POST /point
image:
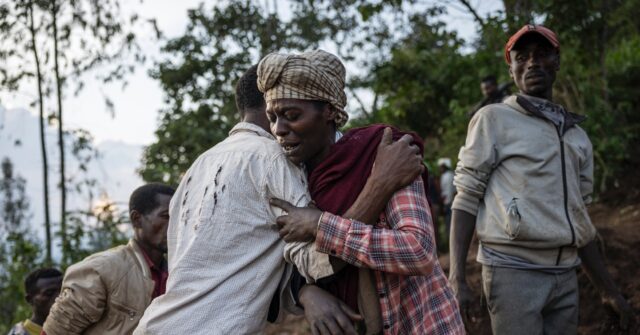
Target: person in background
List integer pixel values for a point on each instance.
(41, 286)
(492, 93)
(435, 202)
(447, 191)
(108, 292)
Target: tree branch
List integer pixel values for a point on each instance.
(473, 12)
(362, 107)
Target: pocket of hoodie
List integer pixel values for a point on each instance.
(514, 219)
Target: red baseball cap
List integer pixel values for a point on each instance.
(527, 29)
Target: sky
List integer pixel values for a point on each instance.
(121, 137)
(136, 107)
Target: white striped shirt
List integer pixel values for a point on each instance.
(225, 254)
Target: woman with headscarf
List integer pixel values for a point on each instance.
(392, 277)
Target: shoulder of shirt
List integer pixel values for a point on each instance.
(497, 115)
(491, 109)
(111, 259)
(243, 144)
(582, 131)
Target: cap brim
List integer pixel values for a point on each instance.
(526, 33)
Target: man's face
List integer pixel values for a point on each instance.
(46, 292)
(303, 130)
(151, 228)
(534, 63)
(488, 88)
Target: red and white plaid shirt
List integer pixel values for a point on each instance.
(415, 296)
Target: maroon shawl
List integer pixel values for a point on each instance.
(338, 180)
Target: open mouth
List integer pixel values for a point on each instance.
(290, 148)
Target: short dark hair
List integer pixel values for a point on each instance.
(489, 79)
(248, 95)
(143, 199)
(32, 278)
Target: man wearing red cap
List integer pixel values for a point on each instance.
(524, 178)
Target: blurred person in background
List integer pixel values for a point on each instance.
(41, 286)
(492, 93)
(108, 292)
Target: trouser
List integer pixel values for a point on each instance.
(531, 302)
(447, 219)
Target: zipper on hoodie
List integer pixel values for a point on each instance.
(566, 197)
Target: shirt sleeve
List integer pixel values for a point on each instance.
(288, 182)
(476, 160)
(586, 175)
(405, 245)
(81, 302)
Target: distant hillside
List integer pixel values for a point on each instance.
(20, 141)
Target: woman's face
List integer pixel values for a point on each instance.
(305, 129)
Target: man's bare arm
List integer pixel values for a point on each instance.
(593, 265)
(463, 225)
(397, 165)
(371, 201)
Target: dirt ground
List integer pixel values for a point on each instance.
(618, 224)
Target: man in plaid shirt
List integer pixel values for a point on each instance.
(305, 101)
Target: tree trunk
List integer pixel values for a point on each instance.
(63, 183)
(473, 12)
(45, 166)
(518, 13)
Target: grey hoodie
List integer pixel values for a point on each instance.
(527, 182)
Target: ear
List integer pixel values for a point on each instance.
(558, 61)
(510, 72)
(329, 112)
(28, 298)
(136, 218)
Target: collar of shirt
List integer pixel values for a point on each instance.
(250, 127)
(159, 274)
(554, 112)
(31, 327)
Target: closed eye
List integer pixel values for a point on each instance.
(292, 115)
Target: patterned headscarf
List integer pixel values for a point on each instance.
(313, 75)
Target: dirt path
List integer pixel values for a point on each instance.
(619, 227)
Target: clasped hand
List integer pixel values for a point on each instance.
(299, 224)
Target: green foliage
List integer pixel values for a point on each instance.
(416, 73)
(419, 81)
(64, 39)
(428, 88)
(199, 77)
(202, 66)
(97, 229)
(100, 228)
(600, 73)
(19, 251)
(91, 35)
